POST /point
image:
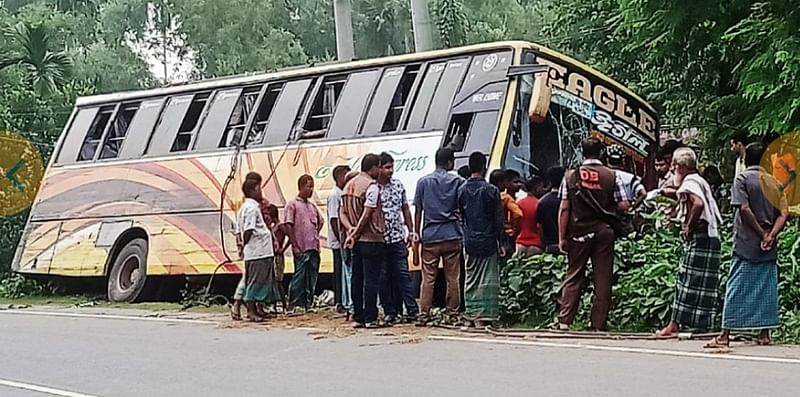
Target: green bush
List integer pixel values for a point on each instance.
(15, 286)
(644, 283)
(530, 289)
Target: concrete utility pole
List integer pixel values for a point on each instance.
(343, 15)
(421, 20)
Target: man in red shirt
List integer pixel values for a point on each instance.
(529, 241)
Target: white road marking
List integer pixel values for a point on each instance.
(41, 389)
(106, 316)
(674, 353)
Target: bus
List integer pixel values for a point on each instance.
(144, 185)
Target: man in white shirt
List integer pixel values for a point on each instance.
(738, 144)
(257, 250)
(633, 184)
(342, 268)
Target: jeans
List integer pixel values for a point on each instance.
(346, 279)
(337, 275)
(397, 289)
(304, 280)
(369, 262)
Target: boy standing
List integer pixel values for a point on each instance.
(303, 223)
(397, 290)
(342, 287)
(257, 249)
(482, 218)
(280, 244)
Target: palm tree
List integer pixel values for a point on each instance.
(46, 71)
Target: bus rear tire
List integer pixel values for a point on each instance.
(128, 276)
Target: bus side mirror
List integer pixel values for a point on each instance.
(540, 92)
(540, 99)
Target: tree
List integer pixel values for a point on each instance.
(768, 65)
(240, 36)
(149, 26)
(450, 20)
(384, 28)
(46, 70)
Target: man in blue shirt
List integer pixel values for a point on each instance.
(482, 220)
(436, 200)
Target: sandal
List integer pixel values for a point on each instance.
(764, 342)
(716, 344)
(256, 319)
(560, 327)
(236, 316)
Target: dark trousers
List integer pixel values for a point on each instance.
(397, 289)
(600, 249)
(337, 276)
(449, 253)
(304, 279)
(369, 261)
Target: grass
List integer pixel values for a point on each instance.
(100, 302)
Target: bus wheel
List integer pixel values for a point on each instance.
(129, 274)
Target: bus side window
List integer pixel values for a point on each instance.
(140, 129)
(115, 136)
(213, 129)
(190, 122)
(419, 109)
(73, 141)
(391, 99)
(472, 113)
(234, 131)
(323, 107)
(471, 132)
(167, 127)
(256, 134)
(95, 133)
(355, 95)
(439, 111)
(287, 108)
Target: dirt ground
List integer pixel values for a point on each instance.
(329, 324)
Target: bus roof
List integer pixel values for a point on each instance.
(303, 70)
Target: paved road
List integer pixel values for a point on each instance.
(112, 357)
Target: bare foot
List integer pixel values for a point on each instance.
(763, 338)
(669, 331)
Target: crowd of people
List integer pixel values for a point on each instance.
(466, 222)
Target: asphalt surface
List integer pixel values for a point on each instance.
(117, 357)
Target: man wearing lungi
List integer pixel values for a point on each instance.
(751, 296)
(697, 282)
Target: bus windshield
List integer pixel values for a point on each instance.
(578, 103)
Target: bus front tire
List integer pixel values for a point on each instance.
(126, 281)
